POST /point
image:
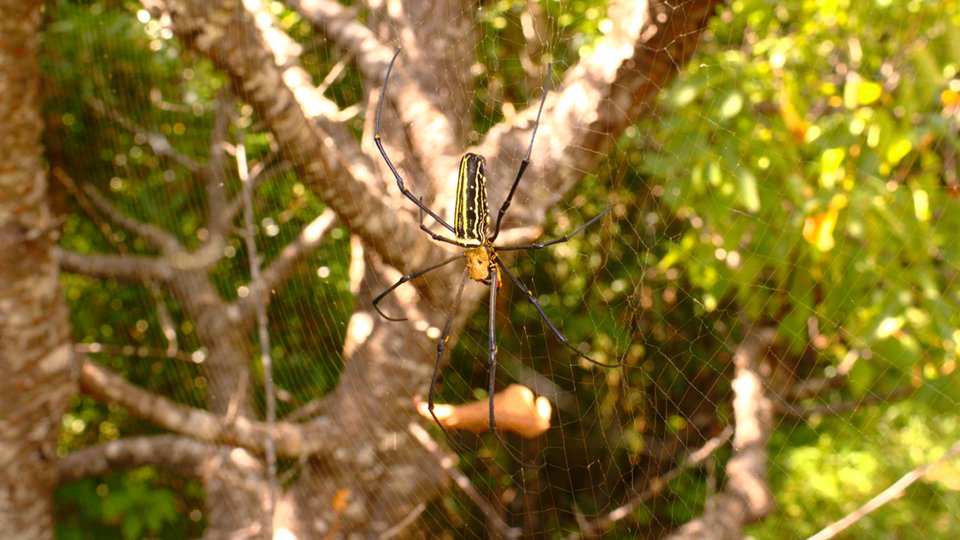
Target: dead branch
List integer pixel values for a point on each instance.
(258, 296)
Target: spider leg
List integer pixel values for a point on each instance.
(436, 236)
(405, 279)
(526, 159)
(492, 368)
(386, 158)
(444, 337)
(560, 240)
(532, 299)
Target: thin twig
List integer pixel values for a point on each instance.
(95, 203)
(262, 330)
(403, 523)
(158, 142)
(138, 351)
(884, 497)
(267, 169)
(312, 408)
(335, 72)
(657, 485)
(786, 408)
(167, 326)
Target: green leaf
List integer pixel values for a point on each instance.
(868, 92)
(898, 149)
(748, 195)
(731, 106)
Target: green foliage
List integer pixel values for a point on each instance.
(806, 161)
(791, 157)
(127, 506)
(843, 462)
(800, 173)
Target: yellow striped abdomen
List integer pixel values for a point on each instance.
(472, 215)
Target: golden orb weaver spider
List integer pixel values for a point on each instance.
(471, 232)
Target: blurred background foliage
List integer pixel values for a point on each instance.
(801, 173)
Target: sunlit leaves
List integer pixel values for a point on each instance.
(820, 148)
(818, 229)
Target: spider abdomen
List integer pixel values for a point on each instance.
(472, 215)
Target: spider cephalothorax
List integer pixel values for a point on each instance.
(478, 263)
(471, 231)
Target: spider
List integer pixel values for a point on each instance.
(471, 231)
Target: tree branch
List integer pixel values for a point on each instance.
(212, 174)
(599, 98)
(429, 128)
(292, 440)
(172, 453)
(260, 173)
(156, 236)
(131, 268)
(329, 159)
(746, 496)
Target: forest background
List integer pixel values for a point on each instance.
(190, 252)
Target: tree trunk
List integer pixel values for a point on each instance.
(35, 350)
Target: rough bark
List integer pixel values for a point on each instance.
(35, 352)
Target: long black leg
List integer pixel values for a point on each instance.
(438, 237)
(560, 240)
(386, 158)
(444, 337)
(492, 368)
(533, 300)
(526, 159)
(405, 279)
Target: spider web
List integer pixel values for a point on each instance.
(796, 182)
